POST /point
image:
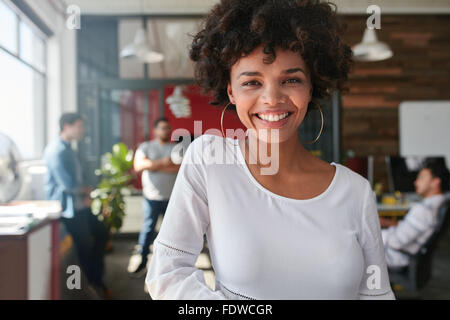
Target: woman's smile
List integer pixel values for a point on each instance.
(272, 119)
(271, 96)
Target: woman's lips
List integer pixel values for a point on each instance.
(273, 124)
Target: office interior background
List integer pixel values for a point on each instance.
(59, 56)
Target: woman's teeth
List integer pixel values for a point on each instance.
(271, 117)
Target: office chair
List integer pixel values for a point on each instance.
(414, 276)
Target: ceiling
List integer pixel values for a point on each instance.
(202, 6)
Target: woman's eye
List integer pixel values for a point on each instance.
(251, 83)
(293, 80)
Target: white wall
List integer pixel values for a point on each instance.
(424, 128)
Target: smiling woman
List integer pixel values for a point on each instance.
(236, 28)
(276, 96)
(308, 230)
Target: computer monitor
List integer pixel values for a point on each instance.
(402, 171)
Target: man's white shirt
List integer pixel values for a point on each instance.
(412, 231)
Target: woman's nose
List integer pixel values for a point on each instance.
(272, 95)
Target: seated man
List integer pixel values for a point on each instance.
(416, 227)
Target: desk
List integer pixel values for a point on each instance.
(394, 211)
(399, 209)
(29, 250)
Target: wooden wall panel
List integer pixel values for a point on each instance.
(419, 70)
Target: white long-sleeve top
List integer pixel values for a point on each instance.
(263, 245)
(412, 231)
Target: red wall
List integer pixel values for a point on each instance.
(133, 111)
(201, 110)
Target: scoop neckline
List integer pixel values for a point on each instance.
(280, 197)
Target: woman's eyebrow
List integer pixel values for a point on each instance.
(256, 73)
(294, 70)
(249, 74)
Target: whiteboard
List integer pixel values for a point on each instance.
(424, 128)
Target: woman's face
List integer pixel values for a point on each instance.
(270, 96)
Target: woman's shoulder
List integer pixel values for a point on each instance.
(356, 182)
(204, 142)
(206, 138)
(206, 146)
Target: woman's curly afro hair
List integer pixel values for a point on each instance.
(234, 28)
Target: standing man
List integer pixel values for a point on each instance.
(158, 177)
(418, 225)
(64, 183)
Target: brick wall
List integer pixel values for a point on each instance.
(419, 70)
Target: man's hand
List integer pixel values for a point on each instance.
(167, 161)
(87, 201)
(85, 194)
(143, 163)
(163, 164)
(86, 190)
(385, 223)
(173, 168)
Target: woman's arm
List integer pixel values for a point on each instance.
(375, 282)
(172, 273)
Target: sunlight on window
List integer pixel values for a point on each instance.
(22, 88)
(8, 31)
(31, 47)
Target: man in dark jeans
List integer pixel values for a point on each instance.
(63, 182)
(158, 177)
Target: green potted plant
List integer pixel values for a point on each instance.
(108, 198)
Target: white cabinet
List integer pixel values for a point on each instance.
(39, 263)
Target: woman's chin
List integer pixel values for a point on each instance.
(271, 135)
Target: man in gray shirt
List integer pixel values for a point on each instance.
(158, 177)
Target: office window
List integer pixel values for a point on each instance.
(8, 32)
(22, 83)
(32, 47)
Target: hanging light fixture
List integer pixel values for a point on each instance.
(179, 104)
(140, 49)
(370, 49)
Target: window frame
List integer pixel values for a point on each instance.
(21, 17)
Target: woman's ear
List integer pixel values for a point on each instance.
(230, 93)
